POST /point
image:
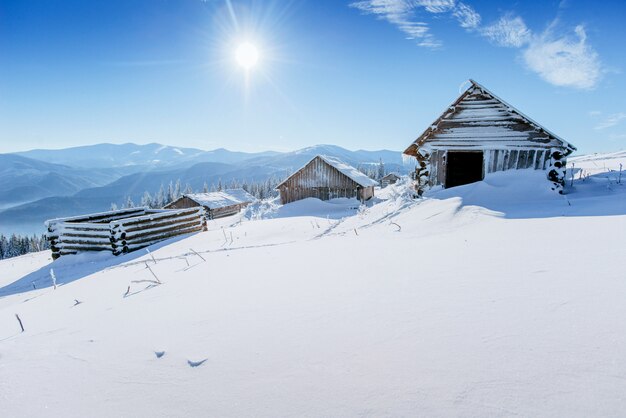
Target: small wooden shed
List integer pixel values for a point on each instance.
(216, 204)
(390, 178)
(480, 133)
(325, 178)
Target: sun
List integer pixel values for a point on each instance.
(247, 55)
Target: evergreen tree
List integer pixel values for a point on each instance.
(177, 190)
(169, 197)
(159, 201)
(381, 169)
(146, 200)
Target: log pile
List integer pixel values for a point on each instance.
(121, 231)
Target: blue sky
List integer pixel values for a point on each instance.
(360, 74)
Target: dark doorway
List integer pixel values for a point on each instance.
(463, 168)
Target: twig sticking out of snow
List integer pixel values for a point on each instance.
(54, 278)
(77, 302)
(155, 276)
(357, 234)
(393, 223)
(193, 251)
(127, 291)
(33, 283)
(153, 259)
(20, 321)
(145, 281)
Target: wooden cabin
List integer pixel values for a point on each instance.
(326, 178)
(390, 178)
(216, 204)
(480, 133)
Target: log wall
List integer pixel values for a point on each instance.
(121, 231)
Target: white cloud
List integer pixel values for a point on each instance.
(564, 61)
(611, 121)
(508, 31)
(561, 60)
(401, 14)
(468, 17)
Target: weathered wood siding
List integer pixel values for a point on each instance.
(479, 121)
(323, 181)
(493, 160)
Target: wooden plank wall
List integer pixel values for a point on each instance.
(320, 180)
(493, 160)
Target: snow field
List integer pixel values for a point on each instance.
(490, 301)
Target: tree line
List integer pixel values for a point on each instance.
(17, 245)
(174, 190)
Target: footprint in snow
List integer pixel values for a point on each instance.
(159, 354)
(196, 363)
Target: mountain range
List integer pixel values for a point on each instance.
(41, 184)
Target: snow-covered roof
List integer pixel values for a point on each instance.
(215, 200)
(393, 174)
(344, 168)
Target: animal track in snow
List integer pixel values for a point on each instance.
(196, 363)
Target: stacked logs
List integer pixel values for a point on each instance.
(121, 231)
(556, 171)
(422, 171)
(131, 234)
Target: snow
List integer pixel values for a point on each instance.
(349, 171)
(490, 299)
(215, 200)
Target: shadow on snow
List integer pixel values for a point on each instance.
(74, 267)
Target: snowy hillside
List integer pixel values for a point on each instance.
(491, 299)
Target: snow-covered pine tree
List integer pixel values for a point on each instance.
(146, 199)
(159, 201)
(381, 169)
(169, 197)
(177, 190)
(129, 203)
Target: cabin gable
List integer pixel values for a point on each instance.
(321, 180)
(480, 122)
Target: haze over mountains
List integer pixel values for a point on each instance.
(41, 184)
